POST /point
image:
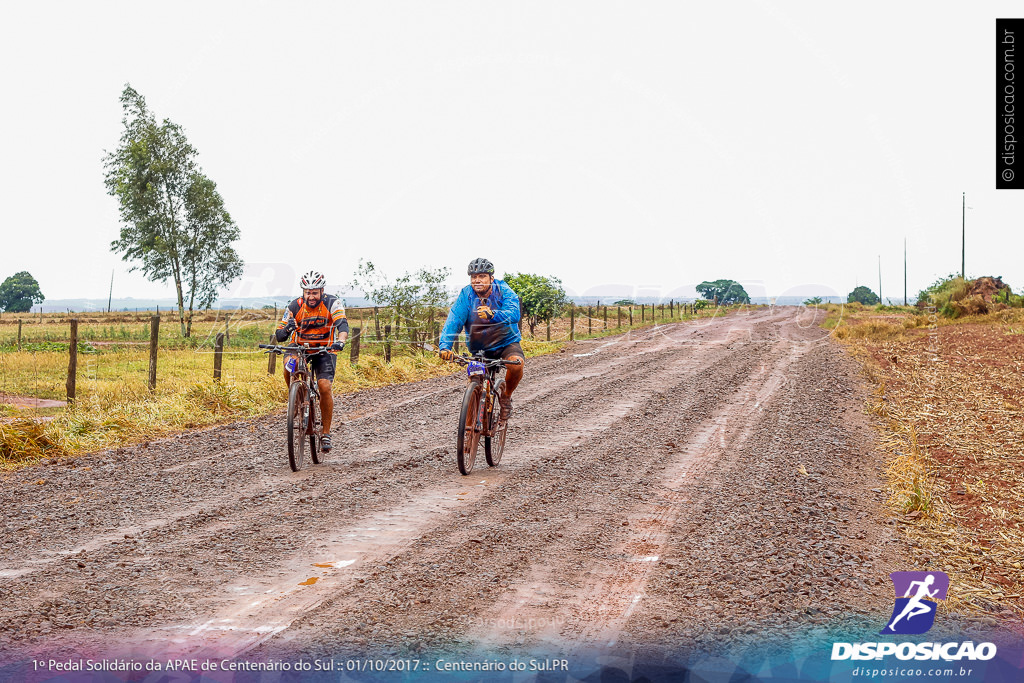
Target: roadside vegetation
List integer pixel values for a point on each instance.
(948, 394)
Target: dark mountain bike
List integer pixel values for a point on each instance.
(480, 416)
(303, 405)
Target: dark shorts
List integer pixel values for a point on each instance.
(506, 352)
(323, 366)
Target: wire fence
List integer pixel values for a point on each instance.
(110, 357)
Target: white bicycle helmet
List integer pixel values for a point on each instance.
(313, 280)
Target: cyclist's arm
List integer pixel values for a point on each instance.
(280, 334)
(509, 311)
(339, 330)
(456, 321)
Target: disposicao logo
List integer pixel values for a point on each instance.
(917, 595)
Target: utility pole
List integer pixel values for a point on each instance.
(879, 278)
(904, 271)
(111, 296)
(963, 237)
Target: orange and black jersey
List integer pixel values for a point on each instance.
(319, 325)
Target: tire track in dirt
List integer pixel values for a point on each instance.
(264, 610)
(598, 614)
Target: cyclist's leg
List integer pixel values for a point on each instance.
(325, 366)
(513, 373)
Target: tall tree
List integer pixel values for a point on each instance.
(19, 292)
(174, 224)
(540, 298)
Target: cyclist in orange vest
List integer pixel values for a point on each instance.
(316, 319)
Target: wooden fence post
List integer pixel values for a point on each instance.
(631, 316)
(642, 312)
(227, 329)
(72, 361)
(387, 343)
(590, 320)
(154, 341)
(272, 357)
(19, 334)
(218, 356)
(618, 313)
(606, 317)
(354, 345)
(376, 321)
(572, 322)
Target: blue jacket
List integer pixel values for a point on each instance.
(483, 335)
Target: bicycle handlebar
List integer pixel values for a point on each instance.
(279, 348)
(466, 360)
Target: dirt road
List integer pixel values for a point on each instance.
(684, 485)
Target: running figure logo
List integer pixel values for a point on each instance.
(917, 594)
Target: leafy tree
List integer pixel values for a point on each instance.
(19, 292)
(726, 291)
(863, 295)
(540, 298)
(813, 301)
(624, 302)
(406, 292)
(175, 225)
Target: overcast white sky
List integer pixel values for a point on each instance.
(650, 145)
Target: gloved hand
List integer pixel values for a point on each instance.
(337, 346)
(446, 354)
(290, 327)
(485, 312)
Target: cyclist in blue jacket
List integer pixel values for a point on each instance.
(487, 310)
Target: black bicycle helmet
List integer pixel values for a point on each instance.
(480, 265)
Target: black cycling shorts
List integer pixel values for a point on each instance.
(323, 366)
(506, 352)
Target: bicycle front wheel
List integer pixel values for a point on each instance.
(495, 445)
(298, 418)
(469, 436)
(314, 430)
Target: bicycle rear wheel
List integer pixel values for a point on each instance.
(495, 445)
(469, 437)
(298, 418)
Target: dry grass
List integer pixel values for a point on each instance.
(949, 397)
